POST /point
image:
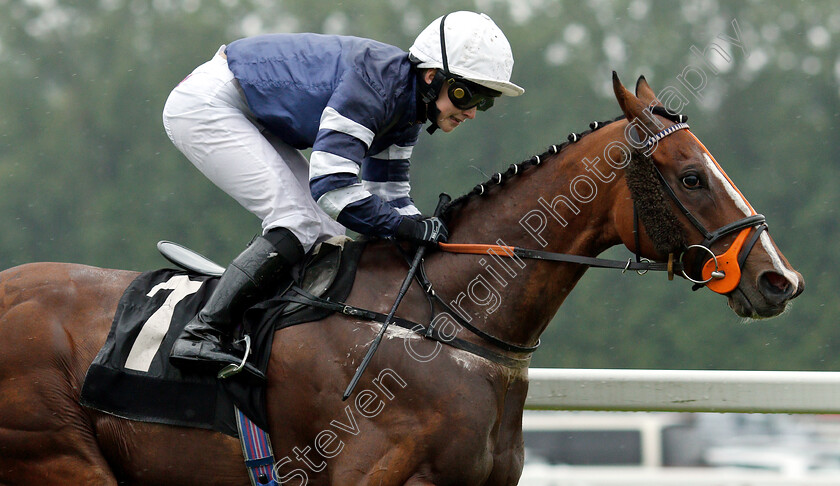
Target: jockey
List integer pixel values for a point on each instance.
(243, 117)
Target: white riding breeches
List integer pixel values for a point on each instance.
(208, 120)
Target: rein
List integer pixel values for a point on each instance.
(642, 265)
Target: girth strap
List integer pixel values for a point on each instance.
(297, 294)
(256, 449)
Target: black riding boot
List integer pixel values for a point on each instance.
(207, 338)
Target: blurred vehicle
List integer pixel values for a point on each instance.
(684, 449)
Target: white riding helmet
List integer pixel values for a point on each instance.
(476, 50)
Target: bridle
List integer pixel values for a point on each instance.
(720, 273)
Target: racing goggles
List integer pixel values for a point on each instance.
(467, 94)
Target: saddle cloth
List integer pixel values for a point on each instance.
(132, 378)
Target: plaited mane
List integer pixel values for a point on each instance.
(654, 209)
(499, 178)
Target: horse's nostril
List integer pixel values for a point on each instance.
(775, 285)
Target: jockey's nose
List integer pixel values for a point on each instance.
(470, 113)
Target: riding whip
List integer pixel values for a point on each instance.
(415, 264)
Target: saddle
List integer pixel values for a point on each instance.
(316, 275)
(131, 376)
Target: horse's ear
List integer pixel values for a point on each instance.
(645, 93)
(630, 105)
(636, 110)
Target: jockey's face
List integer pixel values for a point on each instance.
(450, 116)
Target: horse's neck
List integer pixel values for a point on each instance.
(515, 299)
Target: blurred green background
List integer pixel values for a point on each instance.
(87, 174)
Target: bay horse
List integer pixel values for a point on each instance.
(422, 414)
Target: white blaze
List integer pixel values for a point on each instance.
(741, 204)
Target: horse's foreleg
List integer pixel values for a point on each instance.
(56, 470)
(46, 440)
(36, 450)
(45, 435)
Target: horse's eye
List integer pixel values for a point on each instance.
(691, 181)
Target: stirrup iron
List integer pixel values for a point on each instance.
(233, 369)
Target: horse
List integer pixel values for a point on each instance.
(423, 413)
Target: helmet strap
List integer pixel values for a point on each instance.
(433, 115)
(428, 93)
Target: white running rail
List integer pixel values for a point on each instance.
(684, 390)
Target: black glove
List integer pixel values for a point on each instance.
(428, 231)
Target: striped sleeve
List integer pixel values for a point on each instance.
(386, 175)
(334, 168)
